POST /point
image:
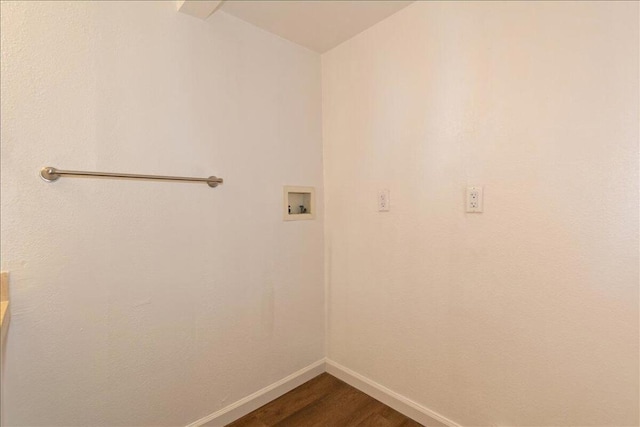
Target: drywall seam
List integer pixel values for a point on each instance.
(252, 402)
(389, 397)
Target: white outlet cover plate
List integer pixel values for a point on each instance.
(474, 200)
(383, 200)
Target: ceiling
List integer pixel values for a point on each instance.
(318, 25)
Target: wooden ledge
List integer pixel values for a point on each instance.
(4, 305)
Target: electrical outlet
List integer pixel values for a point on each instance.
(474, 199)
(383, 200)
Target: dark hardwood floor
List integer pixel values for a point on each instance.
(325, 401)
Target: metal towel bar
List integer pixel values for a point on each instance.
(51, 174)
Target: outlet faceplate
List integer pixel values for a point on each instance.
(383, 200)
(474, 199)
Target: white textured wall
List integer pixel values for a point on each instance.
(144, 303)
(526, 314)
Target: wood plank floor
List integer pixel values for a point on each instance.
(325, 401)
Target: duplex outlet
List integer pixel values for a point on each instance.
(474, 199)
(383, 200)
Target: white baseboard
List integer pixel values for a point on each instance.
(389, 397)
(252, 402)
